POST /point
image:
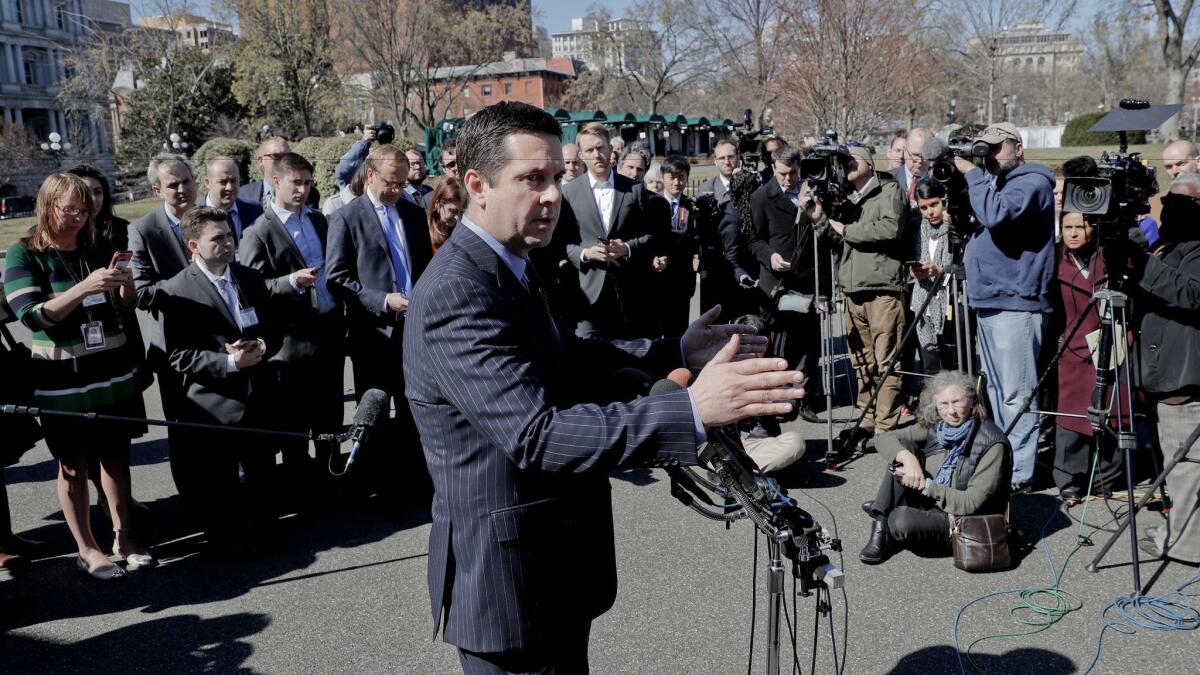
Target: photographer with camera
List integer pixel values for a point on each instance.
(783, 245)
(383, 132)
(1009, 263)
(871, 274)
(1169, 279)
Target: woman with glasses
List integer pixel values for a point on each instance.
(61, 285)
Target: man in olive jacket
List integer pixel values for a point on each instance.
(871, 274)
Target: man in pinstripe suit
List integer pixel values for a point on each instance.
(521, 553)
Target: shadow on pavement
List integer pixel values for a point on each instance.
(180, 644)
(942, 659)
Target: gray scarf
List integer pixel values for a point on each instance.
(929, 326)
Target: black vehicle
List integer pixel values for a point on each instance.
(16, 207)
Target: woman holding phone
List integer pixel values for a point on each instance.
(62, 284)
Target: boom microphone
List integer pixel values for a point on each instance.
(935, 150)
(373, 407)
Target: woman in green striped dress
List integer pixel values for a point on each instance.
(60, 285)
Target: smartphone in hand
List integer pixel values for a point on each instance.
(121, 260)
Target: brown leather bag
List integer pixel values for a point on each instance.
(980, 543)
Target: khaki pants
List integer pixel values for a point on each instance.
(876, 327)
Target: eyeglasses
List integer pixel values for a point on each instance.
(451, 164)
(71, 211)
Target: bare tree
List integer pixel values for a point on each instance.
(19, 155)
(984, 23)
(852, 63)
(660, 57)
(1172, 33)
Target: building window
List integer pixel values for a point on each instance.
(204, 33)
(466, 91)
(19, 5)
(29, 72)
(507, 88)
(60, 17)
(485, 90)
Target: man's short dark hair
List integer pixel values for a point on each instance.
(930, 189)
(290, 162)
(676, 164)
(481, 141)
(192, 225)
(788, 155)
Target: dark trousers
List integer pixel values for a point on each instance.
(564, 654)
(315, 385)
(1073, 462)
(797, 339)
(394, 450)
(913, 520)
(205, 467)
(607, 317)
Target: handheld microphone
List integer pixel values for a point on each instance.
(371, 409)
(676, 380)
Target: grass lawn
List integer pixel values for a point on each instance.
(13, 230)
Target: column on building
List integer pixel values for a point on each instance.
(8, 116)
(8, 73)
(48, 11)
(19, 116)
(5, 11)
(19, 62)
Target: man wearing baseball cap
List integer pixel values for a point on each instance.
(871, 273)
(1009, 264)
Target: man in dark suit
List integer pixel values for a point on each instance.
(378, 248)
(518, 449)
(675, 268)
(612, 228)
(783, 245)
(718, 283)
(259, 191)
(219, 333)
(287, 245)
(221, 181)
(417, 191)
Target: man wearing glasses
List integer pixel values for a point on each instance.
(259, 191)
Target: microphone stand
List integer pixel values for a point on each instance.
(33, 411)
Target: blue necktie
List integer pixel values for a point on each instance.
(396, 251)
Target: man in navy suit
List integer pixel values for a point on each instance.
(221, 181)
(517, 444)
(612, 228)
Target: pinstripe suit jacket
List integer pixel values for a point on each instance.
(522, 537)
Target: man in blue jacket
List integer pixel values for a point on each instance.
(1009, 263)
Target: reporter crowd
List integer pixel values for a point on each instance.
(243, 306)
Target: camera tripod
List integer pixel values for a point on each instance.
(959, 312)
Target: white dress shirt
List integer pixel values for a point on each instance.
(605, 193)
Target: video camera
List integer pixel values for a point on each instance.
(1118, 191)
(384, 132)
(824, 169)
(749, 142)
(943, 170)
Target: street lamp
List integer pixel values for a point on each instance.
(177, 143)
(1195, 106)
(1004, 108)
(55, 145)
(951, 115)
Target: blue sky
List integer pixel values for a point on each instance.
(556, 15)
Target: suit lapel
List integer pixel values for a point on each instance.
(172, 241)
(536, 324)
(587, 211)
(210, 291)
(622, 193)
(372, 227)
(285, 237)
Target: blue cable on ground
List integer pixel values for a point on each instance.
(1168, 612)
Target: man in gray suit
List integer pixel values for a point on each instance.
(287, 244)
(518, 445)
(612, 228)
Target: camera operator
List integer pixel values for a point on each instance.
(1009, 264)
(871, 274)
(1170, 373)
(1181, 157)
(357, 154)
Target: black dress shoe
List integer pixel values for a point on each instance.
(858, 441)
(878, 548)
(806, 413)
(868, 507)
(1070, 493)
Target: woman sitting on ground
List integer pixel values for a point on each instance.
(915, 510)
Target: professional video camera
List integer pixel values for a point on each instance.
(749, 142)
(1119, 190)
(384, 132)
(943, 170)
(958, 202)
(824, 169)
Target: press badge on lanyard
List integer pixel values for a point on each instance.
(93, 335)
(247, 318)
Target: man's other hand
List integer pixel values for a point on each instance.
(728, 390)
(703, 340)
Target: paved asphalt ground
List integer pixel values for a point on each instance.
(347, 591)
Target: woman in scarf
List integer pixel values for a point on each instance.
(935, 334)
(915, 509)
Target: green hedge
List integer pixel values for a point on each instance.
(1077, 134)
(241, 151)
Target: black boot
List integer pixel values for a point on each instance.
(879, 547)
(806, 413)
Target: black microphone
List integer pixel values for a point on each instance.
(371, 409)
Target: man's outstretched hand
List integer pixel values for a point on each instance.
(703, 340)
(729, 389)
